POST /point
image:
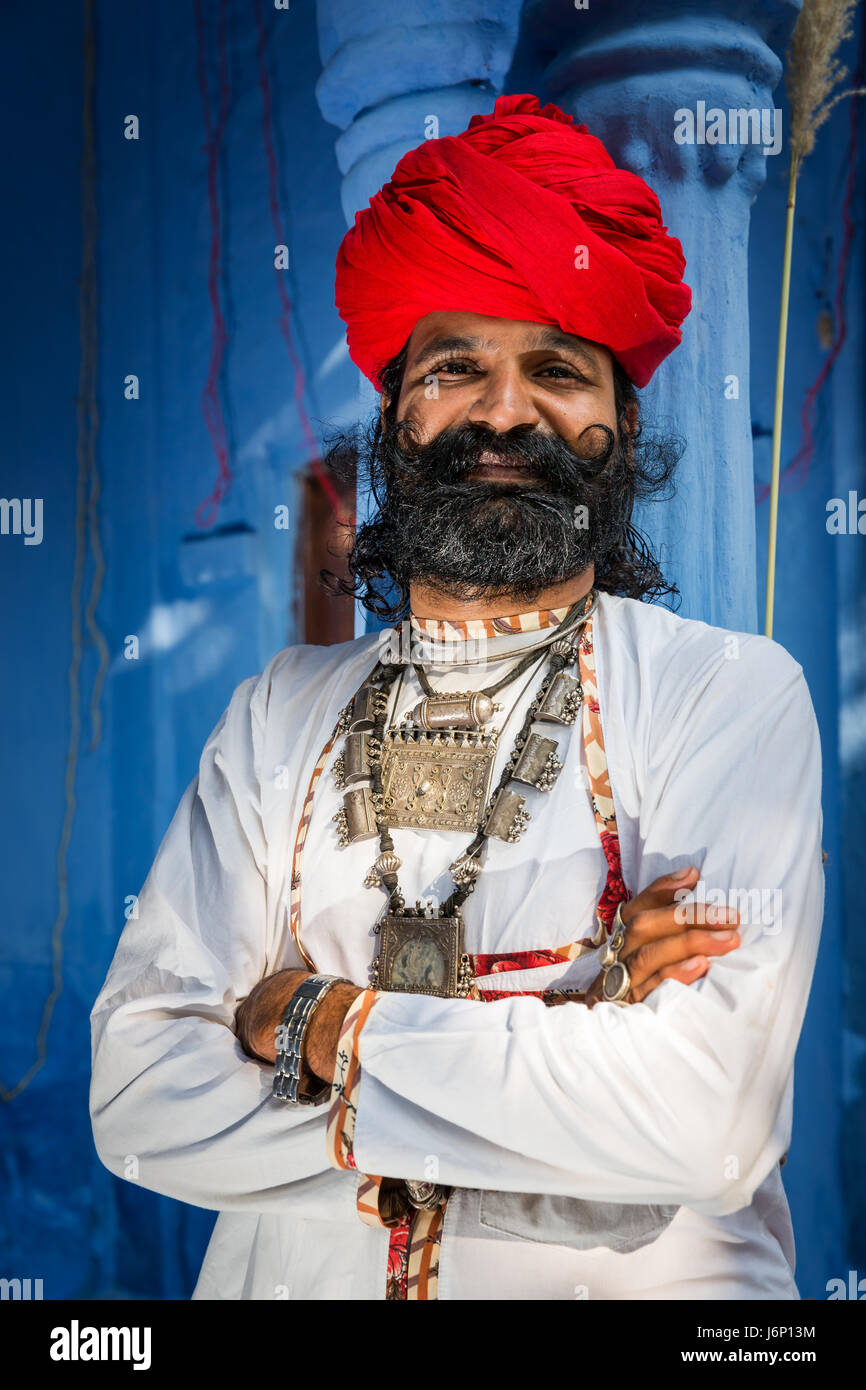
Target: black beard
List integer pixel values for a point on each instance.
(486, 539)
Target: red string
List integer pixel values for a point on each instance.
(211, 404)
(285, 319)
(796, 474)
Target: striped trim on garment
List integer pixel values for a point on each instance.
(342, 1112)
(413, 1258)
(604, 813)
(379, 1202)
(422, 1273)
(301, 836)
(472, 629)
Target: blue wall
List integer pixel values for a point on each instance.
(208, 610)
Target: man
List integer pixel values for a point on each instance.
(539, 790)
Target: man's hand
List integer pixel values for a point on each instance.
(261, 1013)
(658, 947)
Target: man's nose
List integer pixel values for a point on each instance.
(503, 402)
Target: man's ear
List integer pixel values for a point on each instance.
(383, 406)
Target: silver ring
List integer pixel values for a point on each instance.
(616, 983)
(617, 980)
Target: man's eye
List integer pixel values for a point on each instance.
(458, 367)
(558, 371)
(565, 373)
(450, 368)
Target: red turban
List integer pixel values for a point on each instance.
(491, 221)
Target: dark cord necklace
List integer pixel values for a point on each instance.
(488, 690)
(465, 710)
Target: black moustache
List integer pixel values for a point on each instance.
(455, 453)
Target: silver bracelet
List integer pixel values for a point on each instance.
(289, 1068)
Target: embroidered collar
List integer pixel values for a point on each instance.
(470, 629)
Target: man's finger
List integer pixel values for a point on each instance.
(652, 924)
(686, 971)
(661, 892)
(648, 959)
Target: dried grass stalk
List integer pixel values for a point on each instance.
(813, 71)
(811, 74)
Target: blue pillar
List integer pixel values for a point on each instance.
(630, 72)
(388, 69)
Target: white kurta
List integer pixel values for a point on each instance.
(682, 1101)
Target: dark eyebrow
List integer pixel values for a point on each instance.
(553, 338)
(441, 344)
(546, 338)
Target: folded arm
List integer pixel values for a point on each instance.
(683, 1098)
(175, 1102)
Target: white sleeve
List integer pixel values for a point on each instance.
(175, 1102)
(682, 1099)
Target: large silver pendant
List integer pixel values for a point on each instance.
(422, 954)
(436, 781)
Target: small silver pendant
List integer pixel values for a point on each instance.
(563, 699)
(508, 817)
(426, 1196)
(459, 710)
(387, 863)
(367, 704)
(538, 766)
(356, 758)
(465, 870)
(356, 818)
